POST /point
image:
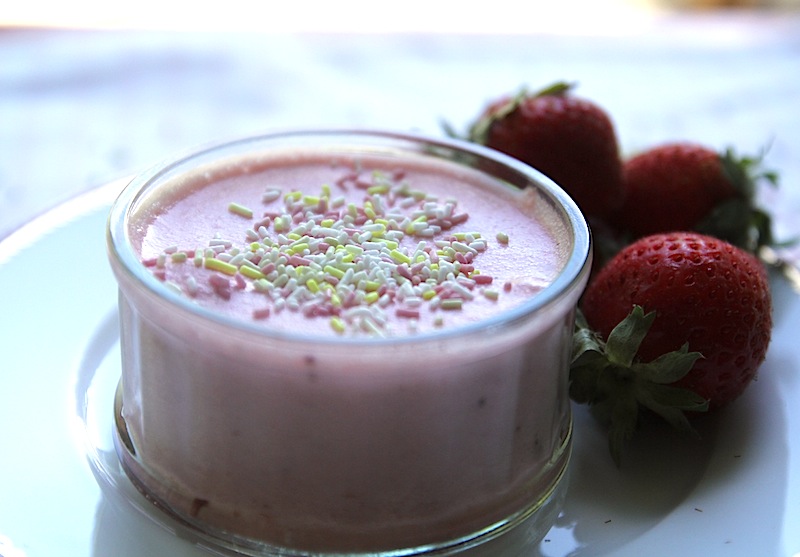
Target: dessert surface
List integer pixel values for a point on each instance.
(350, 247)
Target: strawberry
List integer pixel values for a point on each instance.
(570, 139)
(688, 186)
(673, 323)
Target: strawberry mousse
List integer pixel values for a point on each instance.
(347, 342)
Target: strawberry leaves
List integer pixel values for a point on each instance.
(608, 377)
(739, 220)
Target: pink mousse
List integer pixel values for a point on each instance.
(340, 418)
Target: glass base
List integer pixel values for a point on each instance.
(513, 536)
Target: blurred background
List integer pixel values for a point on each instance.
(93, 90)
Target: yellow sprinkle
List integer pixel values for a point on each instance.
(327, 223)
(371, 285)
(399, 256)
(491, 294)
(179, 257)
(326, 190)
(310, 200)
(338, 325)
(312, 285)
(294, 236)
(428, 295)
(293, 196)
(331, 270)
(371, 297)
(336, 300)
(390, 244)
(221, 266)
(240, 210)
(298, 248)
(249, 272)
(502, 237)
(378, 188)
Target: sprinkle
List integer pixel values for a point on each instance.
(502, 237)
(270, 195)
(261, 313)
(338, 325)
(407, 313)
(399, 256)
(491, 294)
(241, 210)
(451, 303)
(251, 273)
(221, 266)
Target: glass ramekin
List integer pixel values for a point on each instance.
(431, 444)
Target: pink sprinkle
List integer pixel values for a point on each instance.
(469, 256)
(466, 282)
(407, 312)
(363, 184)
(461, 258)
(160, 274)
(323, 246)
(467, 269)
(404, 271)
(240, 282)
(270, 215)
(262, 313)
(268, 268)
(459, 218)
(482, 279)
(297, 261)
(330, 279)
(152, 262)
(221, 286)
(507, 287)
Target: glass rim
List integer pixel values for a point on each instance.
(576, 266)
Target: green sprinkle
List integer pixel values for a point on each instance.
(179, 257)
(491, 294)
(221, 266)
(399, 256)
(371, 285)
(333, 271)
(356, 251)
(338, 324)
(502, 237)
(451, 303)
(312, 285)
(252, 273)
(378, 188)
(241, 210)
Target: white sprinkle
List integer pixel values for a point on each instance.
(270, 195)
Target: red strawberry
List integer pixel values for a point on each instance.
(656, 300)
(570, 139)
(687, 186)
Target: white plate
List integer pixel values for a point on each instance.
(735, 493)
